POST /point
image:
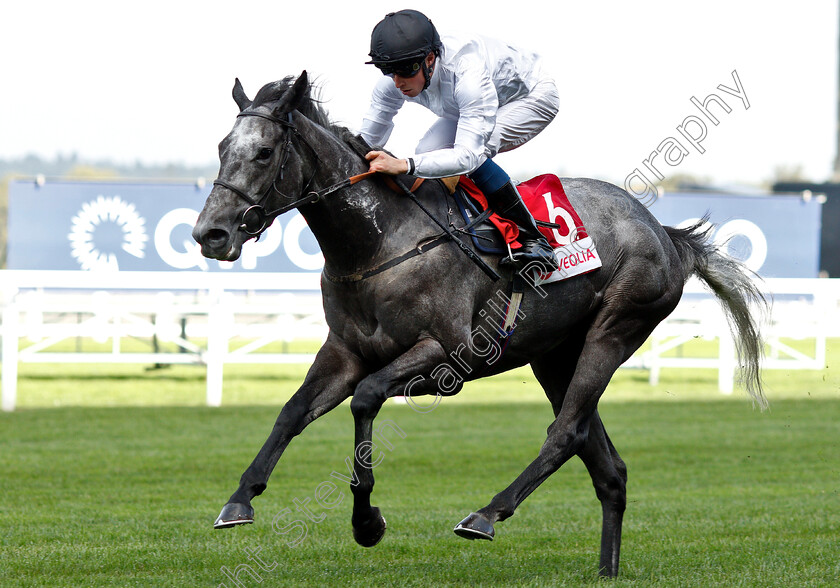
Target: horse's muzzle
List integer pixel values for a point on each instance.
(216, 242)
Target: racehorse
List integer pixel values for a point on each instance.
(401, 302)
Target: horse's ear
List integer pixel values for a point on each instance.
(295, 95)
(239, 96)
(301, 88)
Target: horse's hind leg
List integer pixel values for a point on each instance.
(330, 380)
(603, 352)
(609, 476)
(607, 470)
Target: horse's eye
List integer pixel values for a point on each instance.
(264, 153)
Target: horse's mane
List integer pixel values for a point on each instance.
(311, 108)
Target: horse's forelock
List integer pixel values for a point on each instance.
(309, 106)
(273, 91)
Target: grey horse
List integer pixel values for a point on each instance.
(408, 312)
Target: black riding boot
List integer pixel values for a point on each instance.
(507, 203)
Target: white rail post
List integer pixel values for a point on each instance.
(11, 334)
(824, 307)
(217, 346)
(654, 355)
(728, 362)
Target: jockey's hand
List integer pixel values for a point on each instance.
(383, 163)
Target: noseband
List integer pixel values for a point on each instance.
(255, 219)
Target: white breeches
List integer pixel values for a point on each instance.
(517, 122)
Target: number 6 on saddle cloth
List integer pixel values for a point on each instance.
(555, 216)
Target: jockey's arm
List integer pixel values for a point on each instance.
(378, 121)
(477, 103)
(462, 158)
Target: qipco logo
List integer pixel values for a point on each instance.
(738, 238)
(103, 230)
(175, 246)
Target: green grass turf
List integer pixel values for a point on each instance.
(123, 492)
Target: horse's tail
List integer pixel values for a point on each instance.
(730, 280)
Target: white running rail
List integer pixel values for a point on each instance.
(801, 309)
(40, 309)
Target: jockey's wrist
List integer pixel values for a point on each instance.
(411, 168)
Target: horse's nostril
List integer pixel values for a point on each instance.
(216, 237)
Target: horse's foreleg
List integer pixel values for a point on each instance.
(330, 380)
(370, 394)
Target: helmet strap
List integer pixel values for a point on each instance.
(427, 72)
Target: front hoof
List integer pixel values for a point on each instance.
(475, 526)
(234, 513)
(371, 531)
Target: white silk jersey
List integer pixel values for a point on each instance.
(472, 79)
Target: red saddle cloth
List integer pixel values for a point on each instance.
(545, 198)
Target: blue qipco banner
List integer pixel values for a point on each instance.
(775, 236)
(136, 227)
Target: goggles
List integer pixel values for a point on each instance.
(404, 69)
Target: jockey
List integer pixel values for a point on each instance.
(490, 98)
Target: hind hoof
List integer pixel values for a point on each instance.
(234, 514)
(475, 526)
(371, 532)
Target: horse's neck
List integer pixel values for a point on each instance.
(354, 226)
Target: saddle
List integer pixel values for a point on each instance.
(546, 200)
(554, 215)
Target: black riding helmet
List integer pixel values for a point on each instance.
(401, 41)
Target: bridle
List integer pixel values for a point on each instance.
(255, 219)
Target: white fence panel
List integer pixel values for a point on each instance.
(800, 309)
(43, 308)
